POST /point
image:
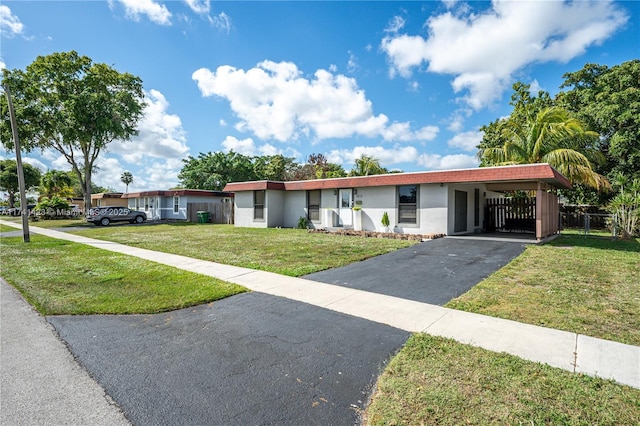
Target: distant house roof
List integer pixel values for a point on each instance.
(103, 195)
(524, 174)
(178, 192)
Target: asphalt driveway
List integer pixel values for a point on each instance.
(247, 359)
(432, 272)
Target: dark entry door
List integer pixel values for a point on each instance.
(460, 221)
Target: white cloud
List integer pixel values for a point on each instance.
(467, 141)
(534, 88)
(35, 163)
(222, 122)
(274, 101)
(199, 6)
(249, 148)
(2, 65)
(483, 50)
(395, 25)
(160, 134)
(386, 156)
(447, 162)
(134, 9)
(222, 22)
(10, 24)
(352, 63)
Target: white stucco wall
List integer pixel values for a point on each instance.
(295, 205)
(274, 208)
(243, 205)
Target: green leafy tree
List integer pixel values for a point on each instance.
(56, 182)
(551, 136)
(127, 179)
(9, 178)
(66, 102)
(608, 101)
(367, 165)
(54, 207)
(323, 169)
(274, 167)
(213, 171)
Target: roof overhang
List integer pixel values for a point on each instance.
(505, 178)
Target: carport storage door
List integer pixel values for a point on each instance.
(460, 220)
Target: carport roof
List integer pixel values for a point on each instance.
(524, 176)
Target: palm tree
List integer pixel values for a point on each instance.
(56, 182)
(367, 165)
(126, 178)
(551, 136)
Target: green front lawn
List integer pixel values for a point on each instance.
(584, 285)
(436, 381)
(61, 277)
(293, 252)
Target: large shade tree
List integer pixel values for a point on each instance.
(9, 178)
(552, 136)
(608, 100)
(66, 102)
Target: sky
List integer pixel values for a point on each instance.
(410, 83)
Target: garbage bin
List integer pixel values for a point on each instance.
(203, 217)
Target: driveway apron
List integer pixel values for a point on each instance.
(432, 272)
(248, 359)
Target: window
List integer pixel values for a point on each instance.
(176, 204)
(408, 204)
(146, 203)
(137, 203)
(258, 204)
(313, 205)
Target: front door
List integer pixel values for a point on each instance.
(460, 221)
(344, 205)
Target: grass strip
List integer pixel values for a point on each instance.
(584, 285)
(60, 277)
(438, 381)
(293, 252)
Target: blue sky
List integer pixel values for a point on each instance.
(410, 83)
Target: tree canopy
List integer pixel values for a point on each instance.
(127, 179)
(606, 101)
(56, 183)
(66, 102)
(213, 171)
(367, 165)
(9, 178)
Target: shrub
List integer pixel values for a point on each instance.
(385, 220)
(303, 222)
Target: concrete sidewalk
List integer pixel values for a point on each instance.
(569, 351)
(40, 381)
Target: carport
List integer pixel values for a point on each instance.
(537, 213)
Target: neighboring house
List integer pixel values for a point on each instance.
(451, 202)
(183, 204)
(113, 199)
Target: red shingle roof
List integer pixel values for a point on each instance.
(178, 192)
(520, 173)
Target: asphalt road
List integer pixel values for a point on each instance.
(247, 359)
(432, 272)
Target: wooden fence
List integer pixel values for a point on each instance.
(218, 212)
(511, 214)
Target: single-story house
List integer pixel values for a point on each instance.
(113, 199)
(182, 204)
(450, 202)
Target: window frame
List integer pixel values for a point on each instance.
(404, 205)
(314, 207)
(257, 207)
(176, 204)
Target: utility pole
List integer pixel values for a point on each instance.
(24, 211)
